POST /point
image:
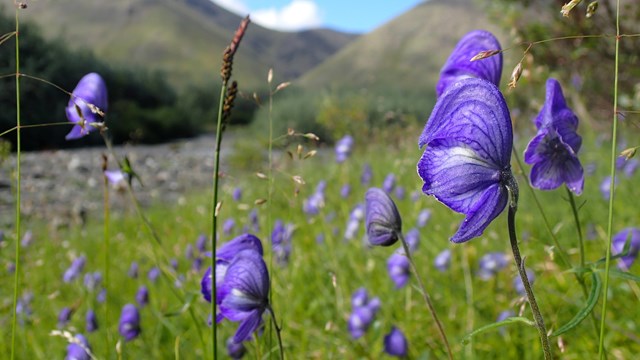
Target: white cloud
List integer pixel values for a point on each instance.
(296, 15)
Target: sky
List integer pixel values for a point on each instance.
(356, 16)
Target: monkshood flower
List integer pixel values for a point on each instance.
(344, 147)
(395, 343)
(201, 243)
(423, 218)
(281, 241)
(77, 265)
(237, 194)
(384, 225)
(244, 293)
(491, 264)
(389, 183)
(90, 99)
(224, 256)
(313, 204)
(235, 350)
(153, 274)
(459, 65)
(129, 326)
(77, 350)
(64, 316)
(443, 260)
(142, 296)
(92, 280)
(115, 177)
(228, 226)
(632, 236)
(353, 224)
(517, 282)
(466, 164)
(400, 193)
(91, 321)
(553, 151)
(367, 175)
(359, 298)
(398, 268)
(605, 187)
(102, 296)
(363, 314)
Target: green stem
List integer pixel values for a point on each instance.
(425, 295)
(106, 264)
(16, 278)
(512, 185)
(576, 218)
(278, 330)
(214, 222)
(614, 138)
(468, 285)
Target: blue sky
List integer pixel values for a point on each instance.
(344, 15)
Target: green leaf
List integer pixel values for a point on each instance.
(596, 288)
(623, 275)
(509, 320)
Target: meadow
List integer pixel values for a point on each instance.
(305, 201)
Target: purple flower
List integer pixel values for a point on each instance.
(345, 191)
(92, 280)
(77, 265)
(443, 260)
(400, 192)
(115, 177)
(367, 175)
(491, 263)
(344, 147)
(102, 296)
(384, 226)
(228, 226)
(153, 274)
(389, 183)
(363, 314)
(255, 222)
(466, 164)
(79, 349)
(237, 194)
(281, 241)
(398, 269)
(244, 293)
(313, 204)
(64, 316)
(630, 167)
(395, 343)
(201, 243)
(413, 240)
(423, 218)
(142, 296)
(89, 97)
(235, 350)
(129, 326)
(91, 321)
(605, 187)
(27, 238)
(629, 235)
(553, 151)
(459, 65)
(133, 270)
(359, 298)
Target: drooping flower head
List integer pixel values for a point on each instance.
(142, 296)
(631, 236)
(78, 349)
(459, 65)
(344, 147)
(395, 343)
(244, 293)
(553, 151)
(64, 316)
(384, 225)
(77, 265)
(129, 326)
(466, 164)
(91, 321)
(90, 99)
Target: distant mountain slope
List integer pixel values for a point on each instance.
(184, 38)
(406, 53)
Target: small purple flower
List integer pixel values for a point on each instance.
(153, 274)
(359, 298)
(413, 240)
(115, 177)
(64, 316)
(363, 314)
(400, 192)
(142, 296)
(79, 349)
(91, 321)
(491, 263)
(423, 218)
(188, 252)
(102, 296)
(133, 270)
(466, 163)
(228, 226)
(344, 147)
(398, 269)
(253, 219)
(345, 191)
(605, 187)
(281, 241)
(443, 260)
(367, 175)
(631, 167)
(27, 238)
(384, 225)
(129, 326)
(629, 235)
(553, 151)
(92, 280)
(89, 97)
(313, 204)
(395, 343)
(201, 243)
(244, 293)
(235, 350)
(389, 183)
(459, 65)
(519, 286)
(237, 194)
(77, 265)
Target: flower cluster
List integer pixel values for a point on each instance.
(363, 314)
(281, 241)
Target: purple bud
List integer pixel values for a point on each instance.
(77, 265)
(64, 316)
(228, 226)
(27, 238)
(102, 296)
(389, 183)
(519, 286)
(153, 274)
(398, 268)
(359, 321)
(129, 326)
(201, 243)
(359, 298)
(133, 270)
(443, 260)
(142, 296)
(91, 321)
(383, 222)
(413, 239)
(605, 187)
(395, 343)
(400, 192)
(629, 235)
(237, 194)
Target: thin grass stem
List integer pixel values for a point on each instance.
(614, 138)
(576, 218)
(278, 330)
(468, 286)
(105, 230)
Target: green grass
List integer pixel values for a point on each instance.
(311, 295)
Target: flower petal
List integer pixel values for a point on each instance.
(248, 326)
(489, 206)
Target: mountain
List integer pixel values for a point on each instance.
(182, 38)
(405, 53)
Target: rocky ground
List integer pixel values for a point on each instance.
(64, 186)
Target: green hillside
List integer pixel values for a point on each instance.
(406, 53)
(183, 38)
